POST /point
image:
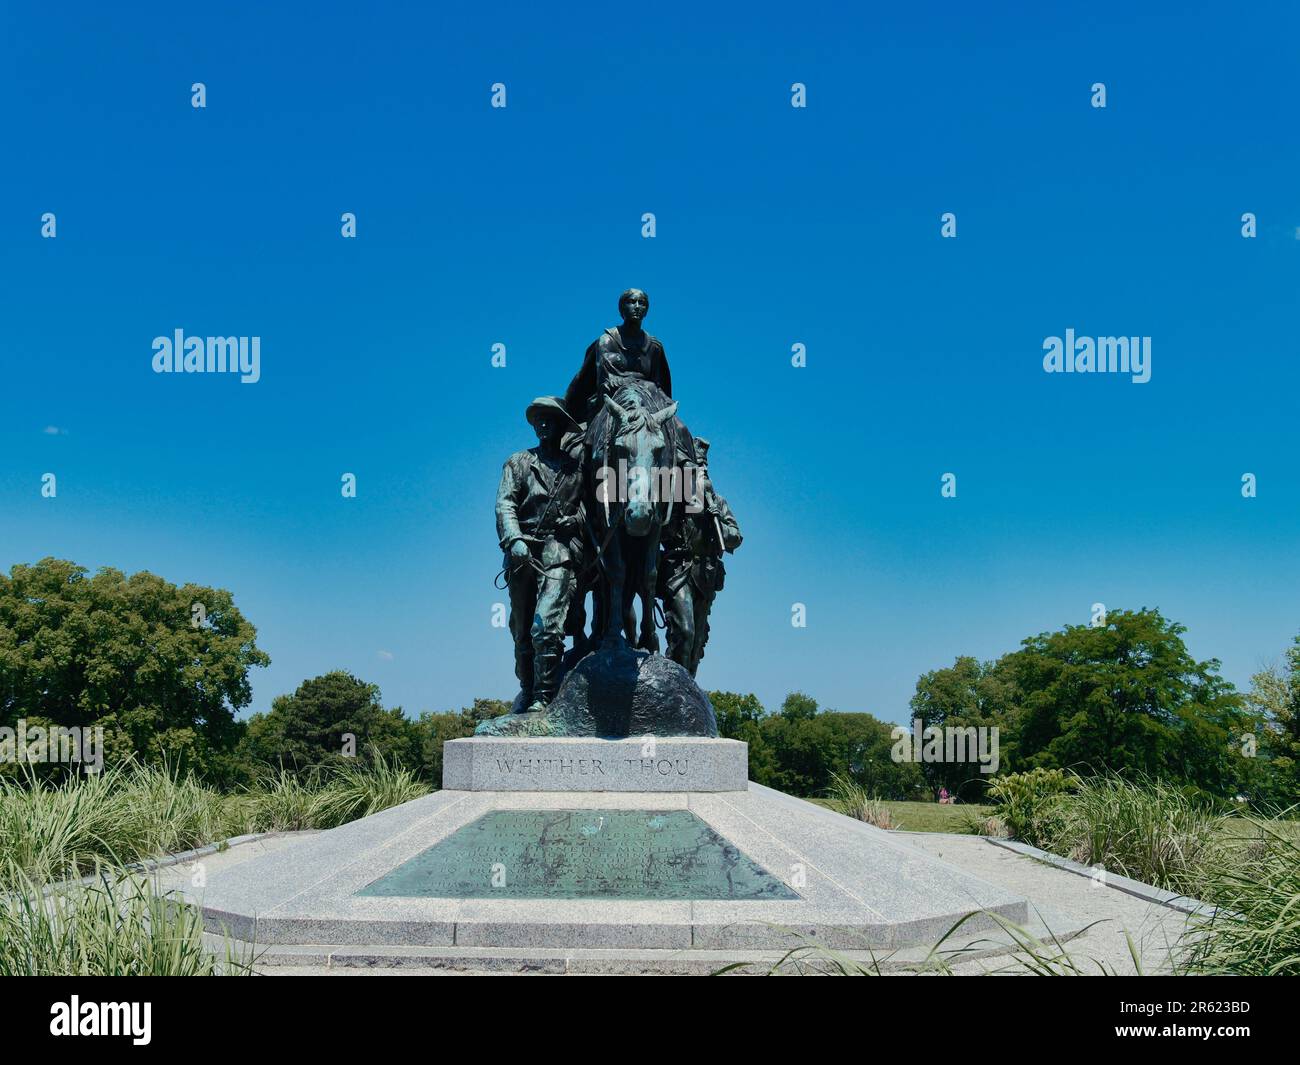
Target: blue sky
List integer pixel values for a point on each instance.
(776, 226)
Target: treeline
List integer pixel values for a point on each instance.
(335, 717)
(800, 748)
(1121, 697)
(163, 669)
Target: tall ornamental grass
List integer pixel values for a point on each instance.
(117, 925)
(853, 800)
(1146, 829)
(1255, 928)
(1143, 829)
(133, 812)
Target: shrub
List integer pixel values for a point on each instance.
(1028, 803)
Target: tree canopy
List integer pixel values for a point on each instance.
(162, 668)
(1127, 697)
(969, 693)
(799, 748)
(1275, 697)
(327, 718)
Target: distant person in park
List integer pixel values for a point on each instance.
(539, 525)
(944, 797)
(691, 572)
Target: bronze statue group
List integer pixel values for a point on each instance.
(591, 509)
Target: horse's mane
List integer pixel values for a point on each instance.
(645, 394)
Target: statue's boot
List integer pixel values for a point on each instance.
(546, 677)
(525, 670)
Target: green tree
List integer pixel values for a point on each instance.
(434, 730)
(856, 744)
(804, 750)
(1275, 697)
(308, 728)
(967, 694)
(810, 749)
(161, 668)
(799, 707)
(741, 717)
(395, 736)
(869, 757)
(737, 714)
(1126, 696)
(799, 749)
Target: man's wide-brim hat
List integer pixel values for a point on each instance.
(552, 404)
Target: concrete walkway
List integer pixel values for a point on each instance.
(1066, 900)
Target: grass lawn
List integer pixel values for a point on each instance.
(932, 817)
(1239, 828)
(928, 816)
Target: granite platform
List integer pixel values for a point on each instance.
(839, 883)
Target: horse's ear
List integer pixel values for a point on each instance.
(615, 409)
(659, 417)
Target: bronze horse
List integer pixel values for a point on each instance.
(633, 442)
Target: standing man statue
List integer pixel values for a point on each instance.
(539, 524)
(691, 572)
(620, 354)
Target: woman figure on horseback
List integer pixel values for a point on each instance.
(623, 394)
(620, 355)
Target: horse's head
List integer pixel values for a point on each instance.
(640, 439)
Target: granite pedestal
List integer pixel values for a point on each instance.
(649, 764)
(462, 873)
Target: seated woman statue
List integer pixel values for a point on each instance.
(625, 371)
(620, 356)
